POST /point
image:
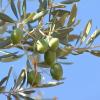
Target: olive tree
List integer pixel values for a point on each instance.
(45, 36)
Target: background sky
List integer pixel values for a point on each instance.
(83, 77)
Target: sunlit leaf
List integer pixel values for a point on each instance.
(25, 96)
(86, 31)
(29, 17)
(39, 15)
(35, 16)
(50, 84)
(13, 7)
(93, 36)
(72, 17)
(6, 18)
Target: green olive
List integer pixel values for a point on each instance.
(41, 46)
(16, 36)
(54, 43)
(56, 71)
(33, 79)
(50, 57)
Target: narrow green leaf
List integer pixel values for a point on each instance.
(60, 12)
(25, 96)
(50, 84)
(39, 15)
(24, 8)
(86, 31)
(10, 58)
(19, 7)
(13, 7)
(95, 52)
(6, 18)
(93, 37)
(72, 17)
(21, 78)
(29, 91)
(69, 1)
(43, 5)
(29, 18)
(3, 80)
(35, 16)
(10, 70)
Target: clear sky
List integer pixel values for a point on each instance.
(83, 77)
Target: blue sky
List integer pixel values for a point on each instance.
(83, 77)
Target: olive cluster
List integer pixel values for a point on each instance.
(46, 46)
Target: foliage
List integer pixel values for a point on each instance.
(52, 39)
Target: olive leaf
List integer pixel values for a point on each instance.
(3, 80)
(69, 1)
(72, 16)
(95, 52)
(49, 84)
(25, 96)
(9, 58)
(21, 79)
(35, 16)
(24, 8)
(19, 7)
(86, 31)
(43, 5)
(52, 4)
(13, 7)
(93, 37)
(6, 18)
(60, 12)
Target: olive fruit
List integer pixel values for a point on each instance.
(50, 57)
(33, 78)
(41, 46)
(16, 36)
(56, 71)
(54, 43)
